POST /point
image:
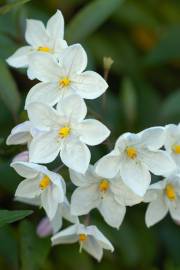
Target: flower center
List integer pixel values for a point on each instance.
(170, 192)
(64, 132)
(176, 149)
(45, 182)
(104, 185)
(82, 237)
(64, 82)
(131, 152)
(44, 49)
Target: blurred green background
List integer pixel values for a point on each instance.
(143, 39)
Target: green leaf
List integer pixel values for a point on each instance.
(33, 249)
(8, 89)
(7, 216)
(90, 18)
(6, 8)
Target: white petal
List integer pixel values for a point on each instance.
(47, 93)
(20, 58)
(28, 188)
(155, 212)
(66, 213)
(85, 179)
(55, 25)
(26, 169)
(158, 162)
(92, 132)
(20, 134)
(73, 107)
(93, 248)
(151, 195)
(66, 236)
(44, 68)
(35, 33)
(74, 59)
(112, 212)
(43, 116)
(108, 166)
(89, 85)
(153, 137)
(76, 156)
(44, 148)
(135, 175)
(174, 209)
(84, 199)
(49, 204)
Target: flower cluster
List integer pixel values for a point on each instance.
(57, 129)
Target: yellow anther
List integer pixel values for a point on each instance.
(45, 182)
(64, 132)
(170, 192)
(176, 148)
(44, 49)
(104, 185)
(64, 82)
(82, 237)
(131, 152)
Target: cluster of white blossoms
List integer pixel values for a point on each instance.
(58, 129)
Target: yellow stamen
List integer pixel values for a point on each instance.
(64, 82)
(176, 149)
(131, 152)
(170, 192)
(45, 182)
(104, 185)
(64, 132)
(82, 237)
(44, 49)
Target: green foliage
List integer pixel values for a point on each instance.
(8, 7)
(7, 216)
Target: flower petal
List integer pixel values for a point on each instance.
(135, 175)
(112, 212)
(156, 211)
(84, 199)
(174, 209)
(92, 132)
(85, 179)
(28, 188)
(21, 134)
(76, 156)
(47, 93)
(74, 59)
(92, 247)
(49, 204)
(89, 85)
(20, 58)
(55, 26)
(44, 148)
(35, 33)
(153, 137)
(26, 169)
(66, 236)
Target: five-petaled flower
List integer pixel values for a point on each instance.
(172, 142)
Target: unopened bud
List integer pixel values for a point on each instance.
(44, 228)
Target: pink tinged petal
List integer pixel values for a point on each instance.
(35, 33)
(55, 26)
(28, 188)
(20, 134)
(92, 247)
(47, 93)
(153, 137)
(89, 85)
(158, 162)
(155, 212)
(84, 199)
(66, 236)
(44, 68)
(44, 228)
(76, 156)
(74, 59)
(44, 148)
(135, 175)
(108, 166)
(49, 204)
(20, 58)
(92, 132)
(23, 156)
(43, 116)
(73, 107)
(112, 212)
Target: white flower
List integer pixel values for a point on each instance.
(41, 40)
(164, 197)
(172, 142)
(134, 156)
(40, 182)
(109, 196)
(89, 238)
(60, 79)
(64, 130)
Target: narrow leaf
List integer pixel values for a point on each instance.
(6, 8)
(7, 216)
